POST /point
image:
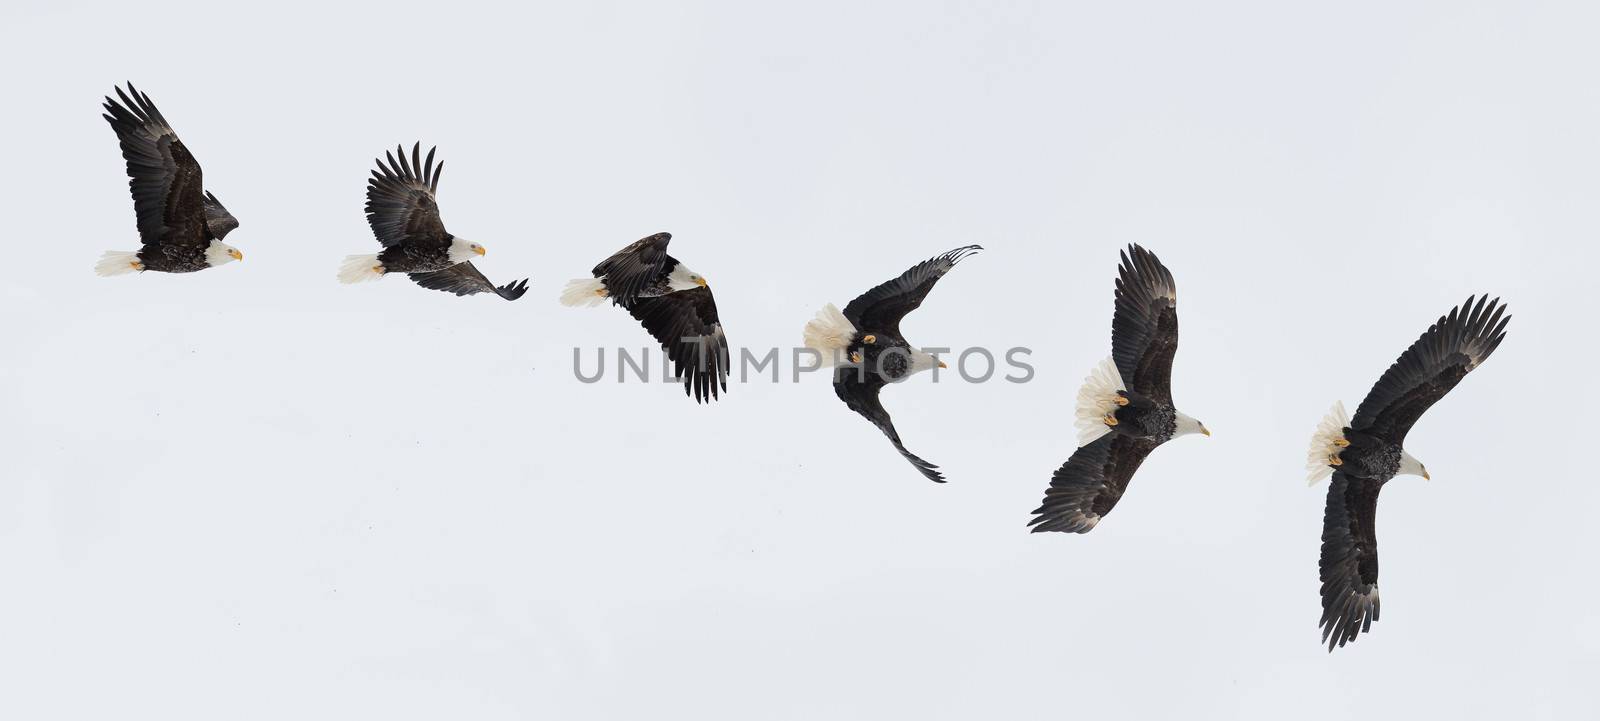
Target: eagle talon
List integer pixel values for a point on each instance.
(136, 265)
(377, 269)
(869, 340)
(1342, 443)
(1335, 461)
(1111, 420)
(855, 356)
(1122, 400)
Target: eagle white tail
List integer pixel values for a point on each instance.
(118, 262)
(829, 334)
(584, 293)
(1323, 443)
(1096, 400)
(360, 268)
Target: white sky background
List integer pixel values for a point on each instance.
(253, 493)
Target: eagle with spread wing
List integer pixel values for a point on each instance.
(1125, 408)
(867, 351)
(1363, 453)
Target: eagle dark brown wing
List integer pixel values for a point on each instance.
(881, 308)
(685, 324)
(1434, 364)
(466, 279)
(1349, 564)
(401, 205)
(631, 270)
(218, 220)
(859, 391)
(1086, 487)
(168, 195)
(1144, 330)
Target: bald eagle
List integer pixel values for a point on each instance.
(181, 224)
(1363, 453)
(867, 351)
(404, 215)
(671, 301)
(1125, 408)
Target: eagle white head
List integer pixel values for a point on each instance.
(1410, 466)
(681, 278)
(220, 253)
(463, 250)
(924, 361)
(1188, 426)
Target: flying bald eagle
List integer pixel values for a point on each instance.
(865, 347)
(1125, 407)
(404, 215)
(1364, 453)
(671, 301)
(181, 224)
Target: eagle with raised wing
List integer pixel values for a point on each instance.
(181, 224)
(403, 210)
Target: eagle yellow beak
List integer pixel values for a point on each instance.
(1205, 430)
(701, 282)
(236, 254)
(482, 251)
(942, 365)
(1425, 475)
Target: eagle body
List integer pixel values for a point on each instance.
(1370, 457)
(1146, 419)
(655, 287)
(416, 258)
(889, 355)
(172, 258)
